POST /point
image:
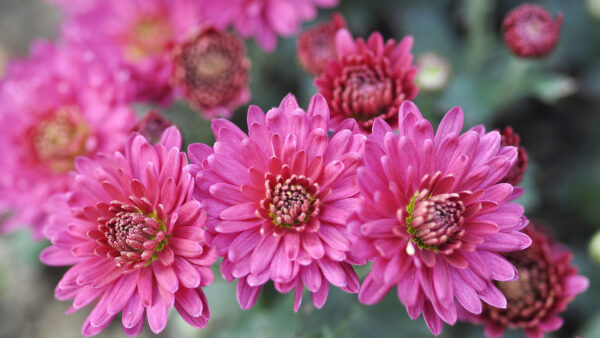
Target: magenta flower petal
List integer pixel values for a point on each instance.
(277, 200)
(136, 251)
(431, 226)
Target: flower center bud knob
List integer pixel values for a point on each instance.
(130, 237)
(290, 201)
(435, 222)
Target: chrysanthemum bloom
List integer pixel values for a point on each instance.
(140, 33)
(516, 172)
(435, 216)
(316, 46)
(263, 20)
(368, 80)
(134, 236)
(211, 69)
(277, 200)
(58, 104)
(152, 126)
(547, 284)
(530, 31)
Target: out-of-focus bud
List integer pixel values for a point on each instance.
(516, 172)
(152, 126)
(594, 248)
(316, 46)
(530, 31)
(212, 71)
(434, 72)
(593, 7)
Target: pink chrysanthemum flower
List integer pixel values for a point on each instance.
(435, 216)
(211, 69)
(140, 33)
(263, 20)
(316, 46)
(368, 80)
(547, 284)
(530, 31)
(277, 200)
(58, 104)
(134, 237)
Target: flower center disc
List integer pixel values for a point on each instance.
(435, 222)
(59, 139)
(290, 201)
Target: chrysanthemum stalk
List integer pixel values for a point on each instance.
(263, 20)
(211, 69)
(57, 104)
(134, 237)
(435, 216)
(277, 200)
(547, 284)
(369, 80)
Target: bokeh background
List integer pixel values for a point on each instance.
(553, 103)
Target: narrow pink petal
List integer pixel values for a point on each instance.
(187, 273)
(465, 295)
(344, 43)
(246, 294)
(190, 301)
(243, 244)
(372, 291)
(313, 246)
(263, 253)
(121, 292)
(493, 296)
(320, 296)
(311, 277)
(157, 314)
(239, 212)
(433, 321)
(166, 277)
(500, 267)
(132, 312)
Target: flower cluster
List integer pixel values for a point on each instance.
(299, 199)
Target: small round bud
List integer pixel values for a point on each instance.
(530, 31)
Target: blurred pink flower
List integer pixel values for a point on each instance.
(134, 237)
(530, 31)
(58, 104)
(316, 46)
(368, 80)
(435, 216)
(139, 33)
(263, 20)
(277, 200)
(211, 69)
(547, 284)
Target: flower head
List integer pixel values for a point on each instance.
(58, 104)
(277, 200)
(547, 283)
(530, 31)
(212, 71)
(316, 46)
(368, 80)
(134, 237)
(435, 216)
(516, 172)
(263, 20)
(137, 33)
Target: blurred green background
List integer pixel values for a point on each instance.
(553, 103)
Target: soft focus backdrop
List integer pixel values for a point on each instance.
(554, 104)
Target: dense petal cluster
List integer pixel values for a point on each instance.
(212, 71)
(57, 104)
(263, 20)
(547, 283)
(530, 31)
(134, 237)
(316, 46)
(516, 172)
(136, 33)
(369, 80)
(277, 200)
(435, 216)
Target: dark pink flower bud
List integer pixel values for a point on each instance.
(516, 172)
(530, 31)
